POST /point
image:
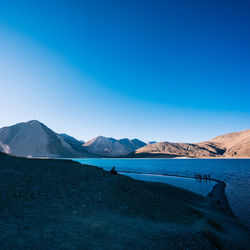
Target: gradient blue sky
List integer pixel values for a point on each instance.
(155, 70)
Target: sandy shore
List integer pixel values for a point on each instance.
(59, 204)
(217, 194)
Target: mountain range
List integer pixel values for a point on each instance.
(111, 147)
(34, 139)
(232, 145)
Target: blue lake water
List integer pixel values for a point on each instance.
(235, 172)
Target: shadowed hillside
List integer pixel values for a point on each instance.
(58, 204)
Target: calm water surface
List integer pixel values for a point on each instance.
(236, 173)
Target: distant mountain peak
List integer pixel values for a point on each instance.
(33, 122)
(151, 142)
(108, 146)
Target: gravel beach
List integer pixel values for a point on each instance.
(61, 204)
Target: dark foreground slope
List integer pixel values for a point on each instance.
(57, 204)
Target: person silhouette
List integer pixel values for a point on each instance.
(113, 171)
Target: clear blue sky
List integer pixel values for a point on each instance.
(155, 70)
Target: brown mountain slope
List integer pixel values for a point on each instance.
(235, 144)
(168, 149)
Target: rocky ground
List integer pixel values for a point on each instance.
(58, 204)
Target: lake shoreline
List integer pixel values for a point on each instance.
(217, 194)
(61, 203)
(235, 173)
